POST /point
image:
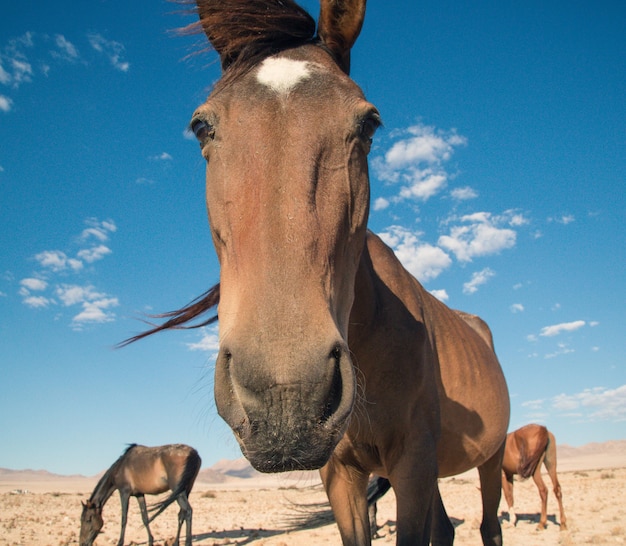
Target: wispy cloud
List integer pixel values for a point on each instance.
(209, 342)
(113, 50)
(163, 156)
(478, 279)
(517, 308)
(33, 55)
(65, 49)
(5, 103)
(556, 329)
(416, 161)
(480, 234)
(463, 194)
(50, 286)
(596, 404)
(423, 260)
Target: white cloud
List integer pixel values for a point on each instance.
(37, 301)
(75, 294)
(94, 254)
(416, 161)
(163, 156)
(533, 404)
(479, 235)
(479, 278)
(95, 312)
(597, 404)
(209, 342)
(56, 261)
(564, 219)
(5, 103)
(556, 329)
(99, 230)
(463, 194)
(111, 49)
(67, 50)
(517, 308)
(440, 294)
(422, 260)
(34, 284)
(380, 203)
(562, 349)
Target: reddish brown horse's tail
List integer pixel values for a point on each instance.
(192, 467)
(531, 450)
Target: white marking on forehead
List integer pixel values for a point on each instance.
(281, 74)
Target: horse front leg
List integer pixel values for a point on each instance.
(346, 489)
(144, 516)
(443, 530)
(415, 485)
(490, 473)
(124, 496)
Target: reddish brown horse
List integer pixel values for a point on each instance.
(143, 471)
(331, 355)
(526, 450)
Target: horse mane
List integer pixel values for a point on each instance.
(244, 32)
(180, 319)
(103, 491)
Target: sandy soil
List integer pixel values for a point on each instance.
(261, 511)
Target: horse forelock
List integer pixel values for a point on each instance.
(243, 33)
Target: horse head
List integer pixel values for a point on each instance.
(91, 523)
(285, 134)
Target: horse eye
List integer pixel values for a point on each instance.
(202, 130)
(368, 128)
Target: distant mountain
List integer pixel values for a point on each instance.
(43, 475)
(228, 470)
(239, 468)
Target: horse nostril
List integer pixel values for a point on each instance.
(335, 353)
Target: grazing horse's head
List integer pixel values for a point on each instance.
(285, 135)
(90, 523)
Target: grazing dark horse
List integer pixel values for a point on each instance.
(144, 471)
(526, 449)
(331, 354)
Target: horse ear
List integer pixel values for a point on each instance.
(339, 26)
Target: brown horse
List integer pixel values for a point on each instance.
(331, 355)
(526, 449)
(144, 471)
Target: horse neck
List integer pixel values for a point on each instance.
(105, 487)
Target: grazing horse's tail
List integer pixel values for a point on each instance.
(192, 467)
(530, 456)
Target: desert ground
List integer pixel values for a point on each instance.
(37, 508)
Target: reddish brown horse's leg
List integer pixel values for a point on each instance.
(550, 462)
(490, 474)
(346, 489)
(543, 493)
(507, 488)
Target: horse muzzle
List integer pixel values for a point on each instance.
(286, 413)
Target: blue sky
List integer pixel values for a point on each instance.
(498, 179)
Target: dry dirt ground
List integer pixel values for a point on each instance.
(260, 512)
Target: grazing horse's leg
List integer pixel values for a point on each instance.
(144, 516)
(185, 515)
(124, 496)
(490, 473)
(442, 530)
(550, 462)
(543, 493)
(346, 489)
(507, 488)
